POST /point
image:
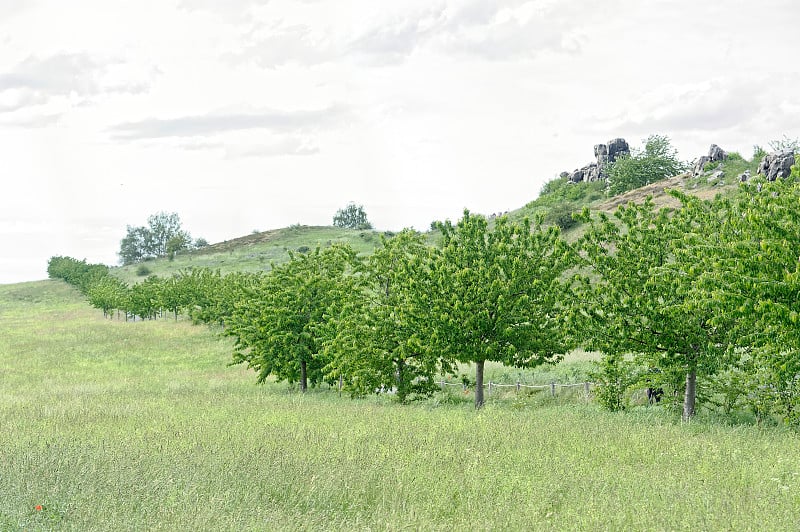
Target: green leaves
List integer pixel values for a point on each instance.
(497, 294)
(280, 326)
(657, 161)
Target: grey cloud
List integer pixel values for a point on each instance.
(19, 99)
(712, 108)
(230, 11)
(288, 45)
(470, 28)
(58, 74)
(290, 146)
(33, 122)
(211, 124)
(36, 80)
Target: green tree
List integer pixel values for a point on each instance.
(381, 339)
(352, 217)
(497, 294)
(108, 294)
(657, 161)
(163, 236)
(639, 293)
(278, 326)
(757, 285)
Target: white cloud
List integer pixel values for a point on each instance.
(216, 123)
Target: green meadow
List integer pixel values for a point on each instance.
(108, 425)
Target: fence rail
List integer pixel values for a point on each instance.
(587, 386)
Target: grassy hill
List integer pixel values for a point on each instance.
(254, 252)
(558, 201)
(113, 425)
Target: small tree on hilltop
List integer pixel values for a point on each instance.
(163, 236)
(658, 161)
(352, 217)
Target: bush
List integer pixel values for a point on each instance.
(142, 270)
(657, 161)
(561, 216)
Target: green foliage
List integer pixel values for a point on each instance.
(277, 325)
(381, 340)
(352, 217)
(108, 294)
(657, 161)
(613, 377)
(559, 191)
(142, 270)
(562, 217)
(496, 294)
(639, 291)
(162, 237)
(76, 272)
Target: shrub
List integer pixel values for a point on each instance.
(142, 270)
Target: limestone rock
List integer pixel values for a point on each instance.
(775, 165)
(616, 148)
(715, 153)
(604, 154)
(699, 165)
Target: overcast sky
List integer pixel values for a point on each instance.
(257, 114)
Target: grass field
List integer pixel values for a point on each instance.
(141, 426)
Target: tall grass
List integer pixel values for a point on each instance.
(120, 426)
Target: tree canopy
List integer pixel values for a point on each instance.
(163, 236)
(657, 161)
(352, 217)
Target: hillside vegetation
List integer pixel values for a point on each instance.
(254, 252)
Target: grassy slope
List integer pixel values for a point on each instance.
(118, 426)
(575, 197)
(256, 251)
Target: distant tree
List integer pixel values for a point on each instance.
(657, 161)
(352, 217)
(162, 236)
(200, 243)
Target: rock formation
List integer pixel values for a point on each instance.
(715, 153)
(604, 154)
(775, 165)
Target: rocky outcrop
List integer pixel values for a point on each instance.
(617, 148)
(715, 153)
(604, 154)
(775, 165)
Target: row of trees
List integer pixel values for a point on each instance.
(702, 301)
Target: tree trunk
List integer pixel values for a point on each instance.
(401, 386)
(690, 394)
(303, 376)
(479, 384)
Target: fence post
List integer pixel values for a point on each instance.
(517, 386)
(586, 389)
(552, 388)
(340, 384)
(490, 387)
